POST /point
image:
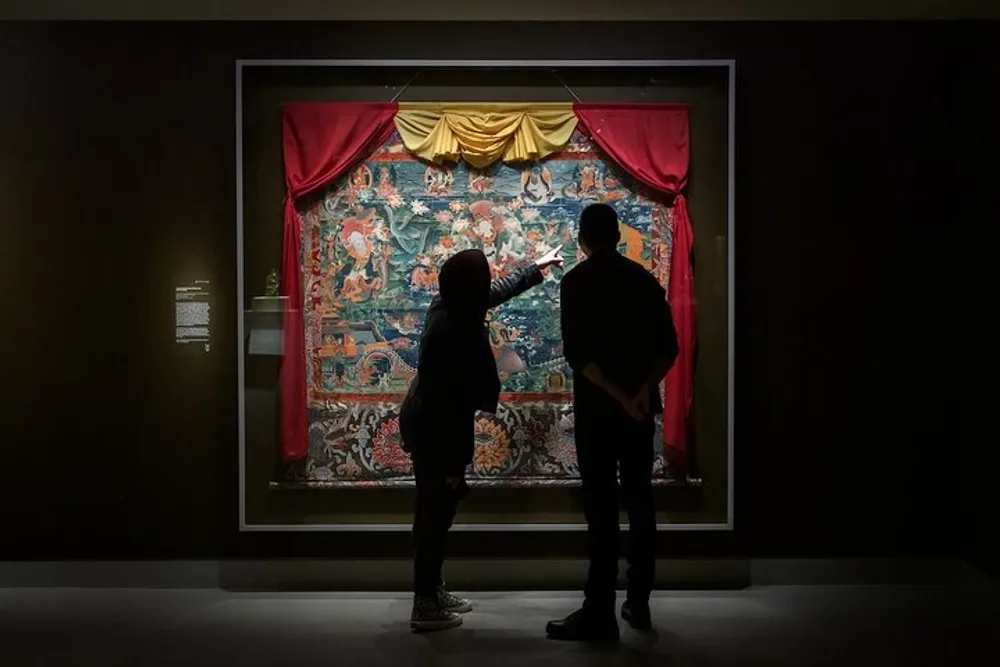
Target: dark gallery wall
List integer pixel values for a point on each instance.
(963, 305)
(117, 181)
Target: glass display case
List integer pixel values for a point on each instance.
(356, 183)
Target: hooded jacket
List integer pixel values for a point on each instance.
(456, 370)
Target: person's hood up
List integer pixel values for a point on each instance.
(464, 284)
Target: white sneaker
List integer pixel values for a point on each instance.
(429, 615)
(453, 603)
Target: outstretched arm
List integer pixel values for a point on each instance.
(503, 290)
(517, 283)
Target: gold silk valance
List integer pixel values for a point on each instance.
(484, 133)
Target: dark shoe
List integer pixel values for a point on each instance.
(637, 615)
(584, 626)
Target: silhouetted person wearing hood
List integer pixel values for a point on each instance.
(620, 341)
(456, 377)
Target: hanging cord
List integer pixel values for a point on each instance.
(406, 85)
(563, 84)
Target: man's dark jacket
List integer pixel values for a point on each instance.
(614, 314)
(456, 376)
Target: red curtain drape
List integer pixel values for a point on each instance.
(652, 143)
(321, 142)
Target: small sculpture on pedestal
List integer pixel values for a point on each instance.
(273, 283)
(271, 301)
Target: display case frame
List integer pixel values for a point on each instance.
(241, 65)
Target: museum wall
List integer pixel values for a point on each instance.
(967, 287)
(117, 173)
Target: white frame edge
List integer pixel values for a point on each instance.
(730, 66)
(240, 295)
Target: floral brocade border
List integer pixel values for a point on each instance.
(508, 483)
(528, 443)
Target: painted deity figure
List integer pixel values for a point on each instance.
(361, 179)
(479, 181)
(536, 185)
(501, 339)
(588, 181)
(437, 181)
(425, 274)
(356, 236)
(385, 187)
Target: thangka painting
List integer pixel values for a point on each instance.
(372, 246)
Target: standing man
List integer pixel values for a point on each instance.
(619, 339)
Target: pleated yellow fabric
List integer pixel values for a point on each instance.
(484, 133)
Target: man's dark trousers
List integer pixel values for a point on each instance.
(609, 442)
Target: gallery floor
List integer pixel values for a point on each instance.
(781, 625)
